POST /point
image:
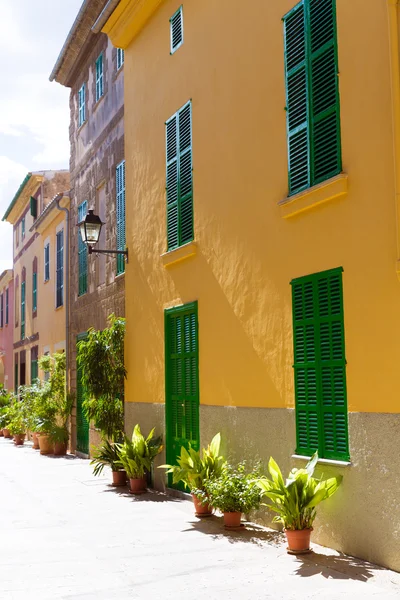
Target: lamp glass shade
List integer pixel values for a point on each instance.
(90, 228)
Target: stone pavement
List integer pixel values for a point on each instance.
(67, 535)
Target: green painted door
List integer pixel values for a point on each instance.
(182, 380)
(82, 425)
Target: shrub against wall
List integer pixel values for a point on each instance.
(100, 357)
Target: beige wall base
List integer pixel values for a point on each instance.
(362, 519)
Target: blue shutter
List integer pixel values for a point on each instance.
(120, 201)
(82, 253)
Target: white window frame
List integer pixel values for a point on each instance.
(179, 11)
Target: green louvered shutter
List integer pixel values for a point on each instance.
(332, 365)
(326, 151)
(82, 253)
(179, 178)
(312, 93)
(182, 379)
(305, 366)
(121, 241)
(296, 71)
(23, 289)
(320, 365)
(82, 424)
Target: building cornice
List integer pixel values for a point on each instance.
(28, 188)
(6, 277)
(128, 19)
(78, 38)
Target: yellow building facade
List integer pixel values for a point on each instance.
(40, 270)
(274, 304)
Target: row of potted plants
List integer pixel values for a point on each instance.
(215, 484)
(43, 408)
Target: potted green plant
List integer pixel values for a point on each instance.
(295, 500)
(194, 468)
(108, 455)
(17, 424)
(137, 456)
(29, 395)
(234, 492)
(5, 417)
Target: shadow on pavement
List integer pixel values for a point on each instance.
(149, 496)
(335, 567)
(251, 533)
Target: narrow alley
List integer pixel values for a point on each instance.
(67, 535)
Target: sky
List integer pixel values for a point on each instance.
(34, 113)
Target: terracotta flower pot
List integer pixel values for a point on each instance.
(19, 439)
(35, 440)
(60, 448)
(201, 510)
(137, 486)
(232, 519)
(119, 478)
(298, 540)
(6, 433)
(45, 444)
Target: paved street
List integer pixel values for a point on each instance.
(66, 535)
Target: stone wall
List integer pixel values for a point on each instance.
(97, 147)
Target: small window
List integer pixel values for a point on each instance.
(34, 291)
(47, 262)
(23, 229)
(81, 105)
(176, 30)
(99, 78)
(82, 253)
(23, 284)
(120, 58)
(33, 207)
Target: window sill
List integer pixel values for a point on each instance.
(96, 104)
(119, 276)
(319, 194)
(324, 461)
(80, 127)
(182, 253)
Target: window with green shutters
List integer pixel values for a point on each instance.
(23, 284)
(47, 262)
(121, 237)
(82, 253)
(182, 379)
(176, 30)
(312, 93)
(81, 105)
(120, 58)
(99, 77)
(60, 268)
(23, 229)
(320, 365)
(34, 291)
(7, 305)
(179, 178)
(34, 364)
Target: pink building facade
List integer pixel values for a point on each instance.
(6, 329)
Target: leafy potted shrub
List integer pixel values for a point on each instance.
(101, 359)
(195, 468)
(17, 424)
(5, 417)
(108, 455)
(295, 500)
(137, 456)
(234, 492)
(29, 394)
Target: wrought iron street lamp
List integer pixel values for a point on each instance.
(90, 229)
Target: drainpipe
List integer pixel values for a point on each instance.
(393, 6)
(58, 198)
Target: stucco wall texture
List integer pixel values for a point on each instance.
(232, 68)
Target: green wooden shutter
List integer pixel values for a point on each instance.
(297, 93)
(121, 234)
(23, 284)
(34, 364)
(323, 63)
(60, 268)
(179, 178)
(82, 253)
(34, 291)
(312, 93)
(320, 365)
(33, 207)
(182, 379)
